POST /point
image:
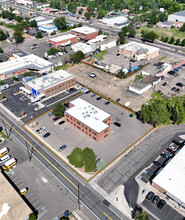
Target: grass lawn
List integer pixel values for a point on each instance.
(163, 32)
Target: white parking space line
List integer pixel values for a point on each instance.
(32, 199)
(42, 214)
(29, 195)
(21, 184)
(14, 178)
(33, 204)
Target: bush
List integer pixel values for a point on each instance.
(59, 110)
(1, 50)
(76, 158)
(26, 74)
(53, 33)
(32, 216)
(52, 51)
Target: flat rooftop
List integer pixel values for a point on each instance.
(50, 80)
(171, 177)
(11, 202)
(135, 46)
(63, 37)
(180, 13)
(88, 114)
(85, 30)
(48, 25)
(29, 61)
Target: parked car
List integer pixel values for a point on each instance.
(117, 100)
(92, 75)
(155, 199)
(106, 103)
(150, 195)
(46, 135)
(93, 95)
(50, 114)
(157, 163)
(66, 104)
(23, 191)
(62, 147)
(117, 124)
(168, 153)
(61, 122)
(175, 141)
(164, 84)
(71, 89)
(179, 84)
(171, 72)
(56, 118)
(166, 156)
(40, 130)
(172, 151)
(66, 213)
(161, 204)
(178, 90)
(173, 89)
(98, 98)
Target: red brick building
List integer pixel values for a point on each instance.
(63, 40)
(89, 119)
(85, 33)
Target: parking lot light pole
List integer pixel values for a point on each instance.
(78, 196)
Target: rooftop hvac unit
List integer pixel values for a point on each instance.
(84, 116)
(88, 115)
(95, 112)
(33, 82)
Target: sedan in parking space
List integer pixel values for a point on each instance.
(172, 151)
(106, 103)
(61, 122)
(175, 141)
(46, 135)
(168, 153)
(161, 204)
(164, 84)
(50, 114)
(92, 75)
(40, 130)
(179, 84)
(150, 195)
(62, 147)
(66, 104)
(98, 98)
(173, 89)
(157, 163)
(166, 156)
(117, 100)
(71, 89)
(117, 124)
(23, 98)
(155, 199)
(93, 95)
(56, 118)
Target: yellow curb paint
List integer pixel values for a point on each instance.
(107, 216)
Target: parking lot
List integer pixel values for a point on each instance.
(20, 103)
(120, 138)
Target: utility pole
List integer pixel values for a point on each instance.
(78, 196)
(5, 128)
(29, 156)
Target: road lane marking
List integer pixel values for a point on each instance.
(107, 216)
(40, 153)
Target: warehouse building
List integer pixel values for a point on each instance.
(85, 33)
(85, 48)
(170, 179)
(63, 40)
(139, 51)
(89, 119)
(177, 17)
(20, 65)
(113, 21)
(46, 86)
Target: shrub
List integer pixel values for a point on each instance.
(32, 216)
(76, 158)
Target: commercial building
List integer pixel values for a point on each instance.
(63, 40)
(139, 51)
(144, 84)
(23, 2)
(20, 65)
(42, 20)
(89, 119)
(11, 203)
(177, 17)
(45, 24)
(85, 33)
(113, 21)
(48, 28)
(85, 48)
(170, 180)
(46, 86)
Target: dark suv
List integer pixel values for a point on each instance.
(150, 195)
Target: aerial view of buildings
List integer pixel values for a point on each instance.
(92, 110)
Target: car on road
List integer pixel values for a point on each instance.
(61, 122)
(56, 118)
(92, 75)
(93, 95)
(173, 89)
(62, 147)
(117, 124)
(164, 84)
(155, 199)
(40, 130)
(161, 204)
(117, 100)
(106, 103)
(98, 98)
(46, 135)
(150, 196)
(157, 163)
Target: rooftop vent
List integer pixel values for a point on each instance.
(95, 112)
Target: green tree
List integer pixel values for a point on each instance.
(89, 159)
(18, 36)
(2, 35)
(76, 158)
(172, 40)
(33, 23)
(142, 216)
(60, 23)
(100, 32)
(80, 24)
(17, 18)
(59, 110)
(177, 42)
(77, 57)
(7, 34)
(52, 51)
(32, 216)
(182, 28)
(88, 15)
(131, 33)
(183, 42)
(166, 39)
(1, 50)
(121, 74)
(39, 34)
(80, 12)
(121, 37)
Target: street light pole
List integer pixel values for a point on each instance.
(78, 196)
(5, 128)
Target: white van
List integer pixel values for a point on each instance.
(4, 158)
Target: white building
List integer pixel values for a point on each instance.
(19, 65)
(42, 20)
(85, 48)
(177, 17)
(23, 2)
(144, 84)
(114, 20)
(170, 180)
